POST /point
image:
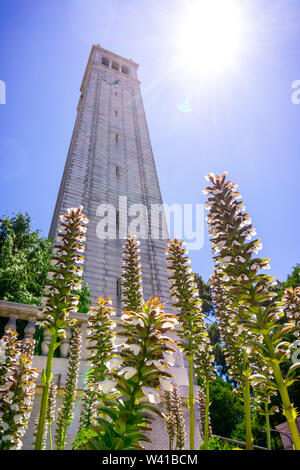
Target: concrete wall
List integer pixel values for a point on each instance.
(158, 435)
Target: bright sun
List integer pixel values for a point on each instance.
(211, 35)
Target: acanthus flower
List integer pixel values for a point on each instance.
(247, 294)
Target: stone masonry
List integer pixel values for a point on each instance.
(110, 156)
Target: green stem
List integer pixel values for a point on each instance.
(50, 437)
(45, 395)
(289, 410)
(247, 404)
(191, 403)
(268, 429)
(63, 441)
(247, 412)
(206, 424)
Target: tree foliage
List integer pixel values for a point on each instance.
(25, 257)
(293, 280)
(226, 410)
(204, 294)
(218, 348)
(24, 260)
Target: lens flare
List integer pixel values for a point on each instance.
(185, 106)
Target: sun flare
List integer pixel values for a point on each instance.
(211, 34)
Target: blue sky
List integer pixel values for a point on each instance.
(241, 119)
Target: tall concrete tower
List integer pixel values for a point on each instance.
(110, 161)
(110, 165)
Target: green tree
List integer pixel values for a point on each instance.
(84, 298)
(204, 294)
(24, 260)
(213, 330)
(218, 349)
(226, 410)
(227, 417)
(293, 280)
(258, 430)
(25, 257)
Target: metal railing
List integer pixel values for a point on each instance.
(239, 443)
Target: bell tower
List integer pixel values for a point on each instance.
(110, 162)
(110, 170)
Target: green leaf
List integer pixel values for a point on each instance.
(112, 413)
(120, 426)
(151, 408)
(283, 331)
(293, 369)
(43, 378)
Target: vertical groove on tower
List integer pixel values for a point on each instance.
(153, 267)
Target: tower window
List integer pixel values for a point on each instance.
(117, 170)
(118, 288)
(105, 61)
(115, 66)
(117, 223)
(116, 113)
(125, 69)
(117, 137)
